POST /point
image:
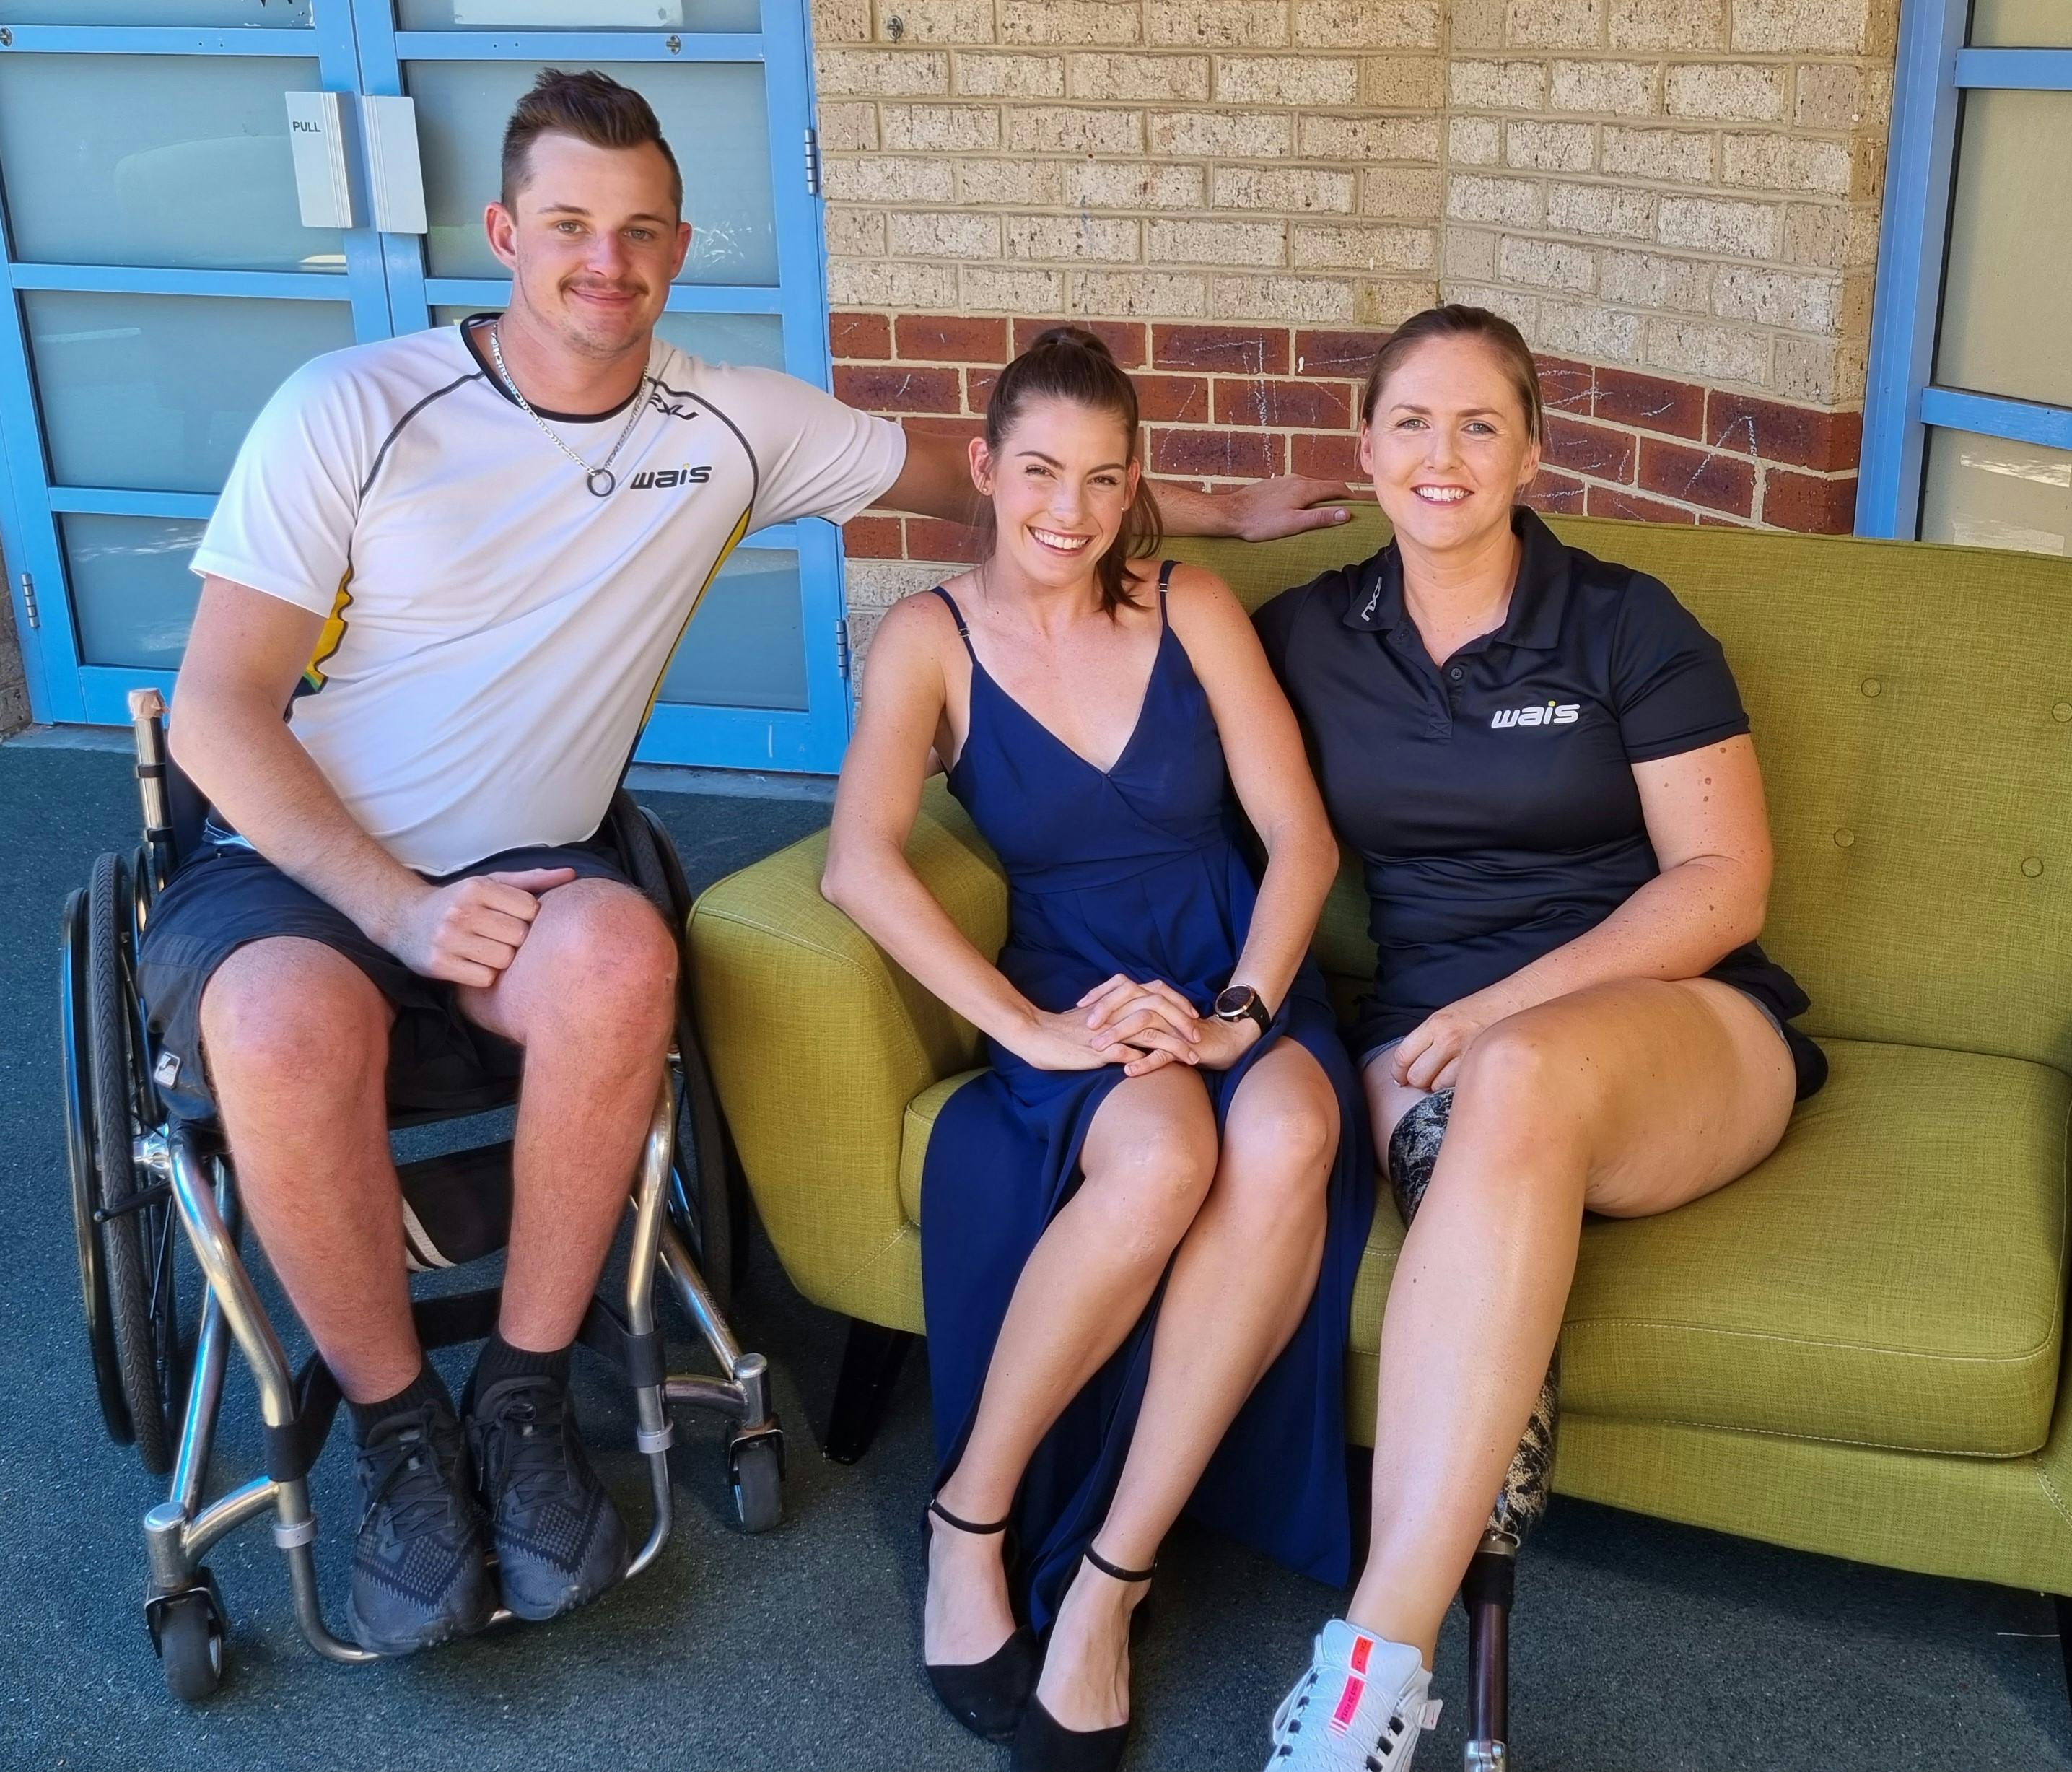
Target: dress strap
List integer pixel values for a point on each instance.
(1165, 580)
(957, 615)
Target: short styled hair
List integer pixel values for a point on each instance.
(1456, 320)
(593, 107)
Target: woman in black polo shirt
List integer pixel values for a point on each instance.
(1544, 763)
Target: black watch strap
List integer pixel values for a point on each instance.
(1251, 1009)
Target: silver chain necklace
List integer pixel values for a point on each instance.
(599, 479)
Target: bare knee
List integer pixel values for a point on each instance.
(286, 1014)
(1524, 1072)
(599, 956)
(1147, 1192)
(1276, 1155)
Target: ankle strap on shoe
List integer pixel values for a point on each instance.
(949, 1518)
(1115, 1574)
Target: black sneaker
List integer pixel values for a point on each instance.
(559, 1541)
(419, 1572)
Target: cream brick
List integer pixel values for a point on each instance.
(1403, 83)
(943, 234)
(880, 283)
(1026, 183)
(855, 233)
(1546, 264)
(936, 21)
(1216, 243)
(1009, 76)
(881, 179)
(1075, 21)
(1583, 329)
(1474, 140)
(1839, 27)
(1476, 24)
(1837, 96)
(990, 290)
(1721, 225)
(1293, 189)
(1555, 24)
(1650, 280)
(892, 73)
(1709, 353)
(1521, 310)
(1217, 24)
(1240, 135)
(1140, 76)
(1785, 162)
(1617, 88)
(1387, 304)
(1514, 202)
(1830, 235)
(847, 129)
(1367, 24)
(1550, 147)
(1734, 92)
(1400, 193)
(939, 129)
(1109, 239)
(1820, 372)
(1601, 210)
(841, 21)
(1683, 25)
(1064, 129)
(1312, 301)
(1779, 298)
(1659, 156)
(877, 585)
(1358, 246)
(1120, 295)
(1131, 184)
(1498, 85)
(1367, 139)
(1287, 80)
(1471, 253)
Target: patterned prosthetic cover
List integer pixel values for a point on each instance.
(1413, 1147)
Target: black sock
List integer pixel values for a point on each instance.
(427, 1387)
(500, 1360)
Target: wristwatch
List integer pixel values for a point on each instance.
(1242, 1003)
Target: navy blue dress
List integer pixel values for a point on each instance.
(1135, 871)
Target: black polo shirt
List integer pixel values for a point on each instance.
(1492, 800)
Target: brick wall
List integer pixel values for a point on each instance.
(13, 680)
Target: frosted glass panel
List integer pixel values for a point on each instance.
(158, 391)
(579, 14)
(757, 339)
(713, 114)
(1986, 492)
(2007, 305)
(132, 595)
(2021, 24)
(276, 13)
(745, 648)
(171, 160)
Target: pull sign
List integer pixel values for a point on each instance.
(395, 177)
(316, 134)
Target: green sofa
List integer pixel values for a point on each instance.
(1856, 1349)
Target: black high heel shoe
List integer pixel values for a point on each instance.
(1044, 1743)
(988, 1697)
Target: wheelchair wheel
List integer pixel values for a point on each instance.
(755, 1472)
(701, 1184)
(78, 1036)
(190, 1634)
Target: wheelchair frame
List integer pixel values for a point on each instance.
(180, 1165)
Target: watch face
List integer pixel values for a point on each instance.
(1235, 1000)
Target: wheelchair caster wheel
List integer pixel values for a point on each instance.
(755, 1468)
(188, 1630)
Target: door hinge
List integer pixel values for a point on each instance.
(35, 615)
(842, 654)
(813, 163)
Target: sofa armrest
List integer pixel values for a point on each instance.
(817, 1042)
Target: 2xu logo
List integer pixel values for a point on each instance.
(669, 477)
(1554, 713)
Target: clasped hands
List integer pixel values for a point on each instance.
(1141, 1025)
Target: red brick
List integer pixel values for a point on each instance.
(1230, 350)
(1301, 405)
(1564, 387)
(1596, 449)
(929, 538)
(1613, 501)
(1707, 520)
(930, 426)
(978, 388)
(935, 338)
(1553, 491)
(871, 538)
(1650, 403)
(1801, 435)
(1173, 399)
(1698, 476)
(866, 335)
(1124, 339)
(1348, 354)
(890, 388)
(1807, 503)
(1223, 455)
(1327, 458)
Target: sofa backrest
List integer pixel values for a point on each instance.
(1912, 707)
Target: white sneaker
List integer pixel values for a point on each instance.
(1360, 1708)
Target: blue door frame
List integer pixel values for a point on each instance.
(358, 48)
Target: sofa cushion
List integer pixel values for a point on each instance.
(921, 1113)
(1893, 1276)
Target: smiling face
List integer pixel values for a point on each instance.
(1061, 484)
(593, 243)
(1449, 445)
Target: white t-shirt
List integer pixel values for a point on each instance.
(495, 633)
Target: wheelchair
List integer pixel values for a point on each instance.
(139, 1172)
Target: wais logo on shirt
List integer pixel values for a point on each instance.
(663, 479)
(1549, 714)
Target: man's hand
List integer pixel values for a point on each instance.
(1282, 506)
(467, 933)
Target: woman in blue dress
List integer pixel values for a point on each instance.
(1141, 1227)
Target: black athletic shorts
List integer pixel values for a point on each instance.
(229, 895)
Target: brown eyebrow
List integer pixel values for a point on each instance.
(1425, 412)
(1051, 461)
(578, 209)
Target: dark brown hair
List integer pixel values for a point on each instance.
(593, 107)
(1069, 363)
(1455, 320)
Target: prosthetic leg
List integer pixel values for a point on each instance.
(1486, 1589)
